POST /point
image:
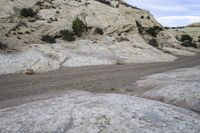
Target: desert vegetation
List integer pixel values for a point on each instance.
(28, 12)
(188, 43)
(186, 40)
(153, 42)
(3, 46)
(67, 35)
(48, 39)
(152, 31)
(185, 37)
(79, 27)
(99, 31)
(140, 28)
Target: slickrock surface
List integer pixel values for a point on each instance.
(93, 113)
(178, 87)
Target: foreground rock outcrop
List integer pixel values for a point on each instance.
(179, 87)
(92, 113)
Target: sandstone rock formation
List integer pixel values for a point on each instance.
(115, 32)
(179, 87)
(92, 113)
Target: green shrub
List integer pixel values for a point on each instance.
(153, 31)
(99, 31)
(3, 46)
(157, 28)
(140, 28)
(79, 27)
(188, 43)
(48, 39)
(153, 42)
(186, 37)
(28, 12)
(113, 89)
(67, 35)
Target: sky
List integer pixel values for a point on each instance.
(171, 12)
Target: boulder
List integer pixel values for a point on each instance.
(29, 71)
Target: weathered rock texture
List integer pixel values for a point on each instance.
(92, 113)
(179, 87)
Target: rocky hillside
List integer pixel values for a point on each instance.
(48, 34)
(194, 25)
(189, 35)
(25, 22)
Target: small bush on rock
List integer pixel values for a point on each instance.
(188, 43)
(67, 35)
(3, 46)
(79, 27)
(140, 28)
(48, 39)
(186, 37)
(153, 42)
(28, 12)
(99, 31)
(153, 31)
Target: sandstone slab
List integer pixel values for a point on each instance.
(92, 113)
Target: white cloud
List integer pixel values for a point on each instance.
(179, 17)
(178, 20)
(167, 5)
(167, 8)
(171, 12)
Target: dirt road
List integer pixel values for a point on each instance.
(17, 89)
